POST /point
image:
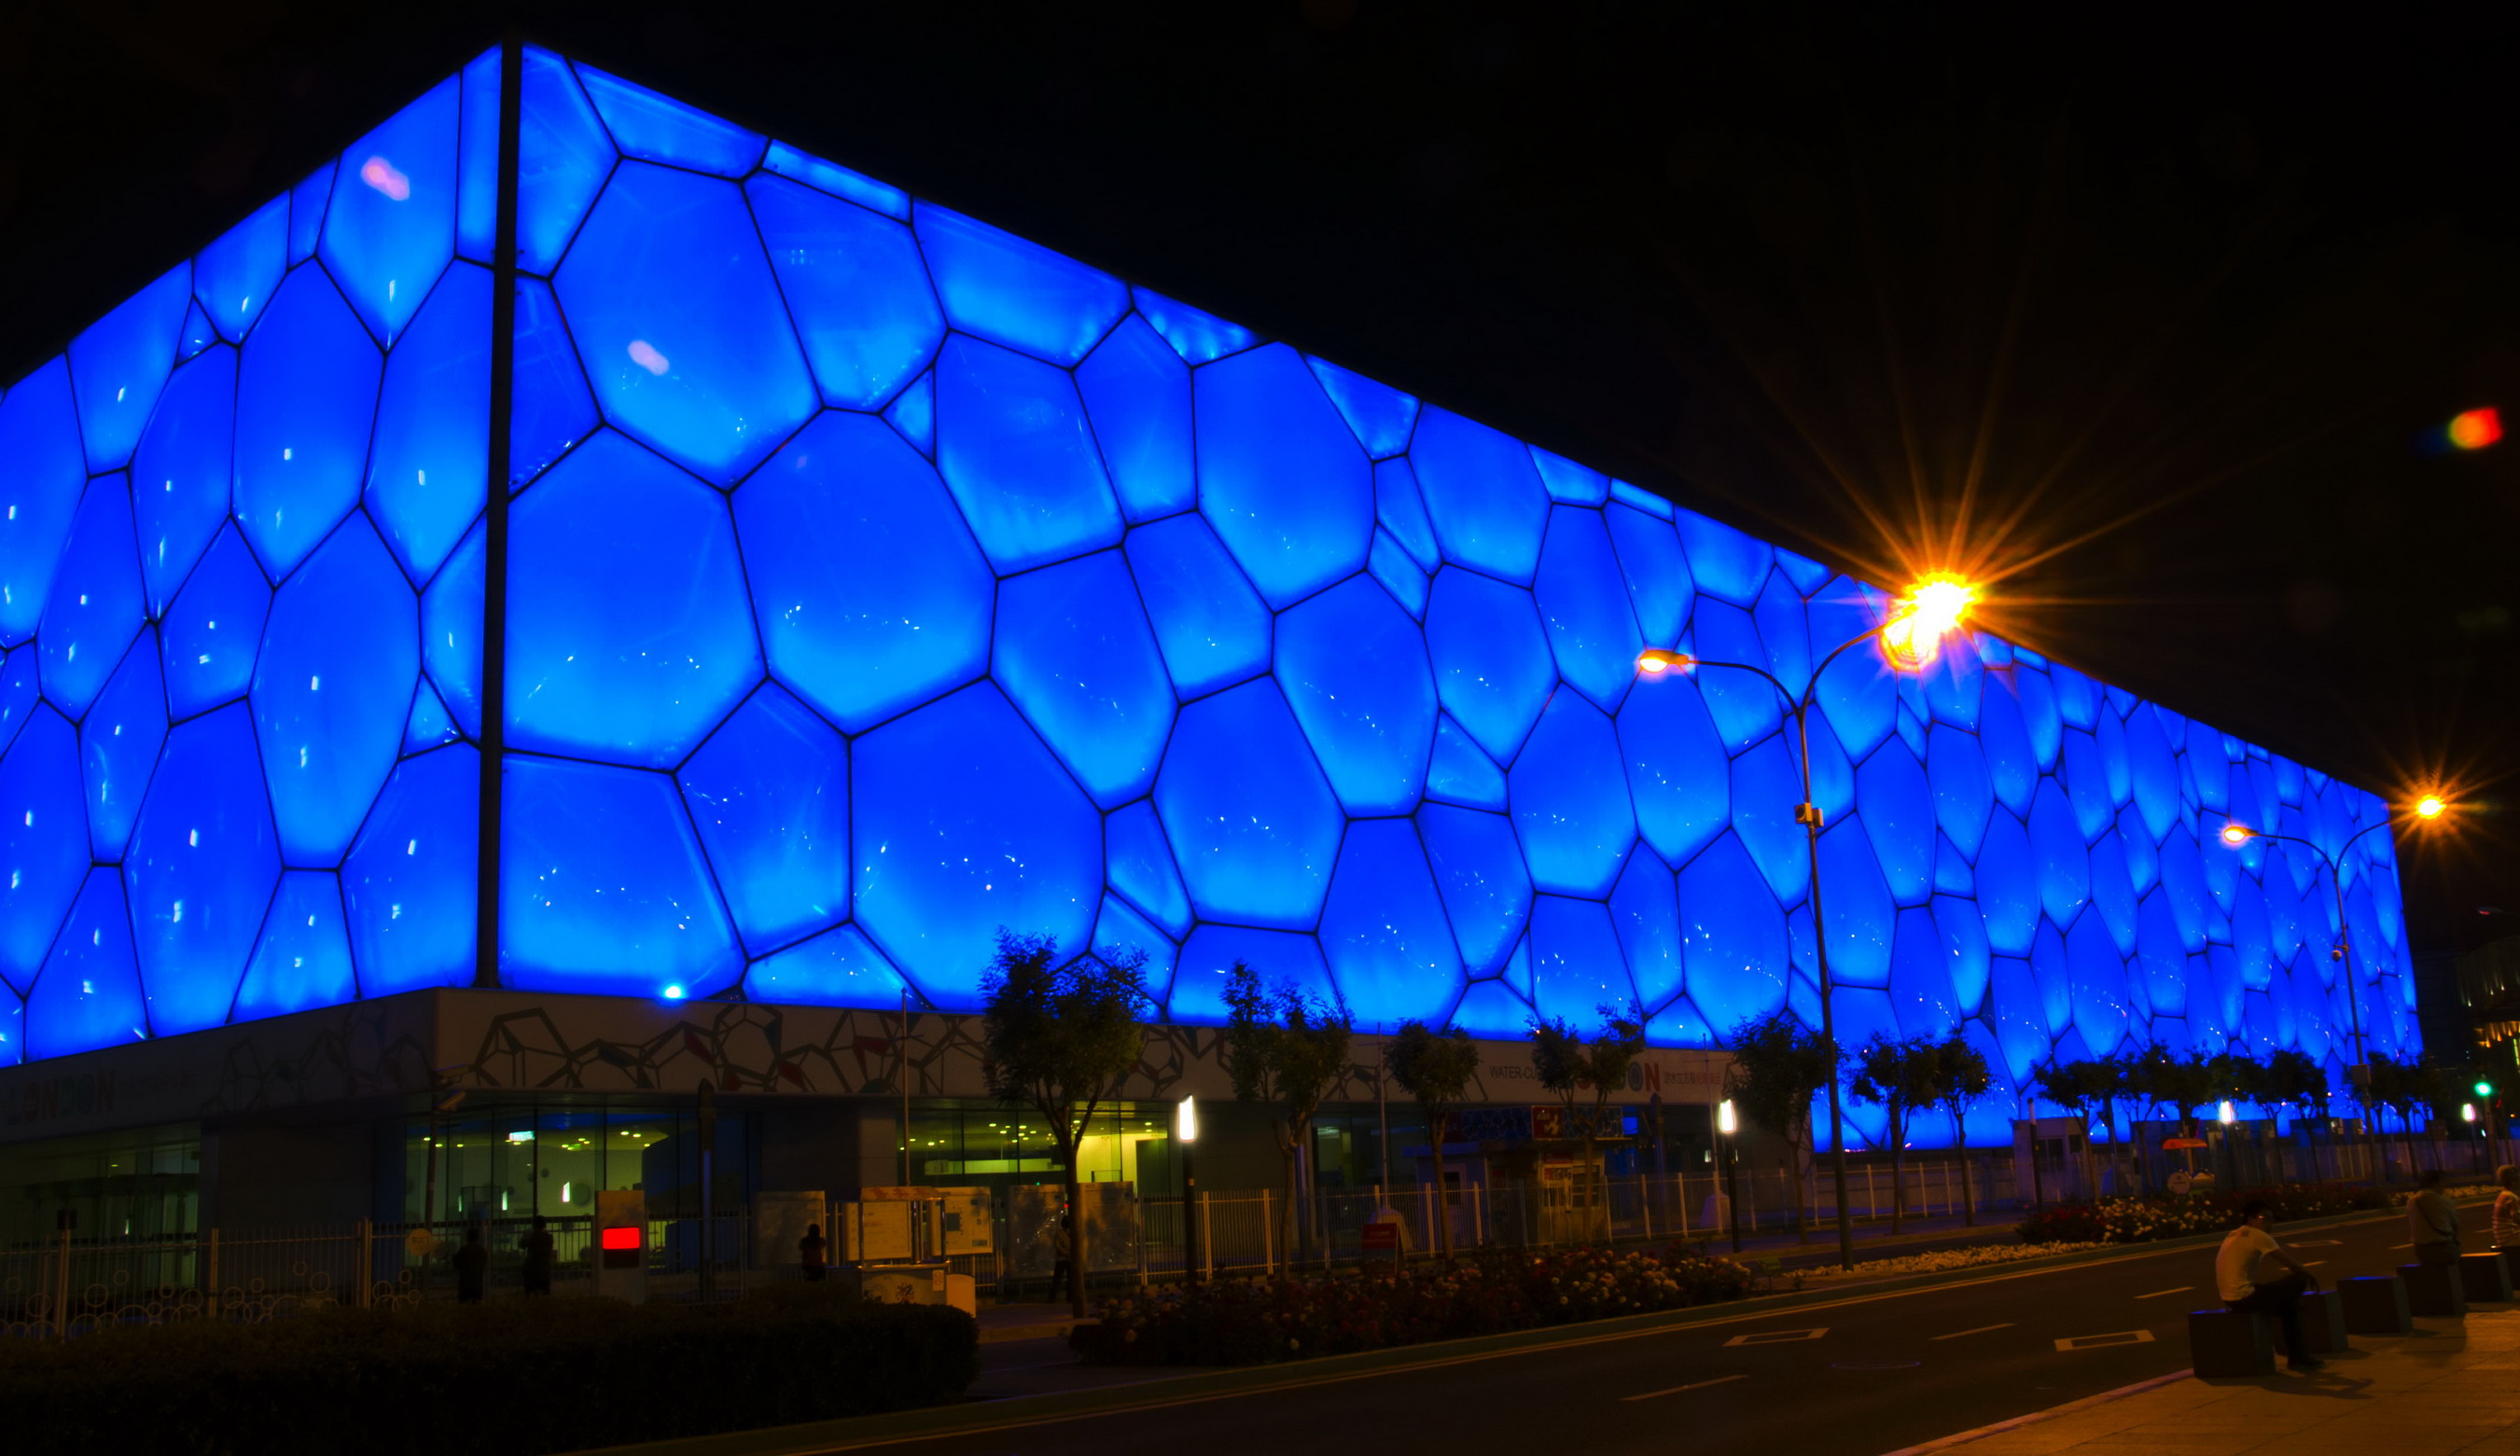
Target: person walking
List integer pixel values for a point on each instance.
(472, 1266)
(2433, 1220)
(538, 1258)
(2506, 1208)
(2240, 1261)
(809, 1252)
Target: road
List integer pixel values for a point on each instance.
(1858, 1378)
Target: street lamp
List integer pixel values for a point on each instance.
(2238, 835)
(1186, 1133)
(1728, 1123)
(1910, 639)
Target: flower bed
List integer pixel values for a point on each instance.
(1254, 1321)
(1941, 1260)
(2137, 1220)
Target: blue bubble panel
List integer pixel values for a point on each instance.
(1137, 393)
(213, 628)
(2099, 987)
(391, 228)
(477, 161)
(1681, 1024)
(429, 723)
(303, 959)
(1490, 651)
(840, 967)
(1745, 705)
(1244, 801)
(1354, 669)
(2011, 764)
(1400, 509)
(1592, 630)
(235, 276)
(306, 397)
(1899, 811)
(1733, 943)
(1656, 573)
(1014, 445)
(450, 633)
(1644, 910)
(1721, 561)
(18, 693)
(628, 633)
(659, 129)
(1676, 768)
(2078, 697)
(2113, 895)
(2252, 941)
(1010, 291)
(1495, 1011)
(1382, 417)
(198, 333)
(550, 409)
(409, 883)
(856, 287)
(1461, 772)
(2057, 852)
(179, 475)
(1576, 965)
(1955, 681)
(1212, 627)
(1384, 928)
(429, 470)
(2039, 715)
(2050, 968)
(769, 792)
(1784, 630)
(203, 861)
(2209, 766)
(42, 848)
(306, 202)
(603, 888)
(2183, 879)
(1963, 791)
(1859, 907)
(1570, 804)
(1479, 872)
(89, 995)
(872, 595)
(2020, 1026)
(1282, 957)
(680, 324)
(913, 414)
(119, 363)
(1075, 653)
(1196, 337)
(964, 824)
(1399, 575)
(1483, 494)
(39, 494)
(119, 746)
(95, 608)
(1280, 478)
(563, 156)
(1569, 483)
(1766, 787)
(1920, 984)
(1966, 955)
(836, 180)
(1121, 931)
(1141, 867)
(332, 690)
(2086, 779)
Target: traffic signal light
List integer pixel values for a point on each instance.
(2484, 1088)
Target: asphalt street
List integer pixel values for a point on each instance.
(1854, 1378)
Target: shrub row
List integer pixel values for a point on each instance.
(2137, 1220)
(508, 1379)
(1255, 1321)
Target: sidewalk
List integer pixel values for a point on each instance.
(2453, 1386)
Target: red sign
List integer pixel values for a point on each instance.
(621, 1238)
(1382, 1237)
(1548, 1121)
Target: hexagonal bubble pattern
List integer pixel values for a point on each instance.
(1378, 790)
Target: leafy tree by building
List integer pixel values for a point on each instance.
(1962, 1079)
(1778, 1065)
(1570, 1065)
(1436, 1068)
(1286, 1049)
(1900, 1076)
(1059, 1035)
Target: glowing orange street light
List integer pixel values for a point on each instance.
(1932, 610)
(2430, 806)
(2236, 835)
(2474, 429)
(1657, 660)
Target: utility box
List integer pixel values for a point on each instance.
(620, 1250)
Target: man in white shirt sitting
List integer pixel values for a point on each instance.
(2236, 1278)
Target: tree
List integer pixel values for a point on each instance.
(1898, 1078)
(2242, 1078)
(1962, 1077)
(1570, 1064)
(2118, 1081)
(1778, 1065)
(1287, 1050)
(2073, 1086)
(2294, 1079)
(2405, 1088)
(1436, 1066)
(1058, 1038)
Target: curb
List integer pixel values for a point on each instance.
(1050, 1330)
(2070, 1407)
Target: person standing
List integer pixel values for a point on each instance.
(2506, 1208)
(809, 1252)
(472, 1266)
(2433, 1222)
(2236, 1266)
(538, 1258)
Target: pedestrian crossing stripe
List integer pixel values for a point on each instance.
(2097, 1341)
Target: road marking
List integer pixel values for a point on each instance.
(1980, 1330)
(1778, 1337)
(2394, 1248)
(2102, 1341)
(2320, 1244)
(2314, 1264)
(2158, 1292)
(1675, 1390)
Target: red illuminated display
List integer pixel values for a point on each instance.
(620, 1238)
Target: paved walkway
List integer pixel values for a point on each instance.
(2453, 1386)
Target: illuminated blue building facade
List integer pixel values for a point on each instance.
(874, 579)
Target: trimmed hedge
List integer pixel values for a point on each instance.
(2137, 1220)
(515, 1378)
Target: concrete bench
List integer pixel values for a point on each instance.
(2223, 1346)
(2484, 1277)
(2324, 1325)
(2375, 1304)
(2433, 1290)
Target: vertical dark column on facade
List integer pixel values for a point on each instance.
(494, 523)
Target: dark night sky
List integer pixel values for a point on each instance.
(2166, 301)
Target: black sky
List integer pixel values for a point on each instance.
(2174, 292)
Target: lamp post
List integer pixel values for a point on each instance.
(1910, 639)
(1185, 1133)
(1728, 1124)
(2236, 835)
